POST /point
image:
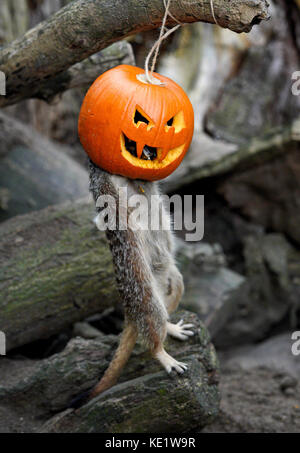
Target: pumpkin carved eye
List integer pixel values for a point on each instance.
(141, 117)
(170, 122)
(138, 117)
(177, 122)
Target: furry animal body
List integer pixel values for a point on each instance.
(148, 279)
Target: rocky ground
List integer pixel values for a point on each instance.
(36, 394)
(260, 389)
(258, 381)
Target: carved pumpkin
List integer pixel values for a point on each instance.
(133, 128)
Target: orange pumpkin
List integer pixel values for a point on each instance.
(133, 128)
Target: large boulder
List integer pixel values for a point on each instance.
(145, 400)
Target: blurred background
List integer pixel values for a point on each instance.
(242, 279)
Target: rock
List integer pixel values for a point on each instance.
(85, 330)
(109, 321)
(211, 289)
(272, 290)
(260, 388)
(274, 353)
(40, 165)
(253, 402)
(239, 309)
(150, 403)
(269, 194)
(48, 386)
(245, 107)
(4, 198)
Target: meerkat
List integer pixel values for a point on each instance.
(149, 282)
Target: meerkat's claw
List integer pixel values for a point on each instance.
(179, 330)
(169, 363)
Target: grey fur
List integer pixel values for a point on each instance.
(148, 280)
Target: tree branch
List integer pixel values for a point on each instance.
(84, 27)
(84, 73)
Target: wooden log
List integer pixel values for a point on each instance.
(55, 269)
(154, 402)
(85, 27)
(147, 404)
(147, 399)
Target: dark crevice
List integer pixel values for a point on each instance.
(42, 348)
(293, 19)
(256, 20)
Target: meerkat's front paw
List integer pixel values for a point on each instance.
(169, 363)
(180, 330)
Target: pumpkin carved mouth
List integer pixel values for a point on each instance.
(151, 156)
(149, 152)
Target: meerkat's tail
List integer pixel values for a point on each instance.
(122, 354)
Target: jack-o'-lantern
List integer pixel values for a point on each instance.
(134, 128)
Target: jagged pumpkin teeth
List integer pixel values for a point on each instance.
(133, 128)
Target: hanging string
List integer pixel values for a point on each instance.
(162, 36)
(169, 13)
(164, 33)
(213, 12)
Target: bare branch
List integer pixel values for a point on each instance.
(84, 27)
(84, 73)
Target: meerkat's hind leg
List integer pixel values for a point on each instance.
(169, 363)
(173, 294)
(180, 331)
